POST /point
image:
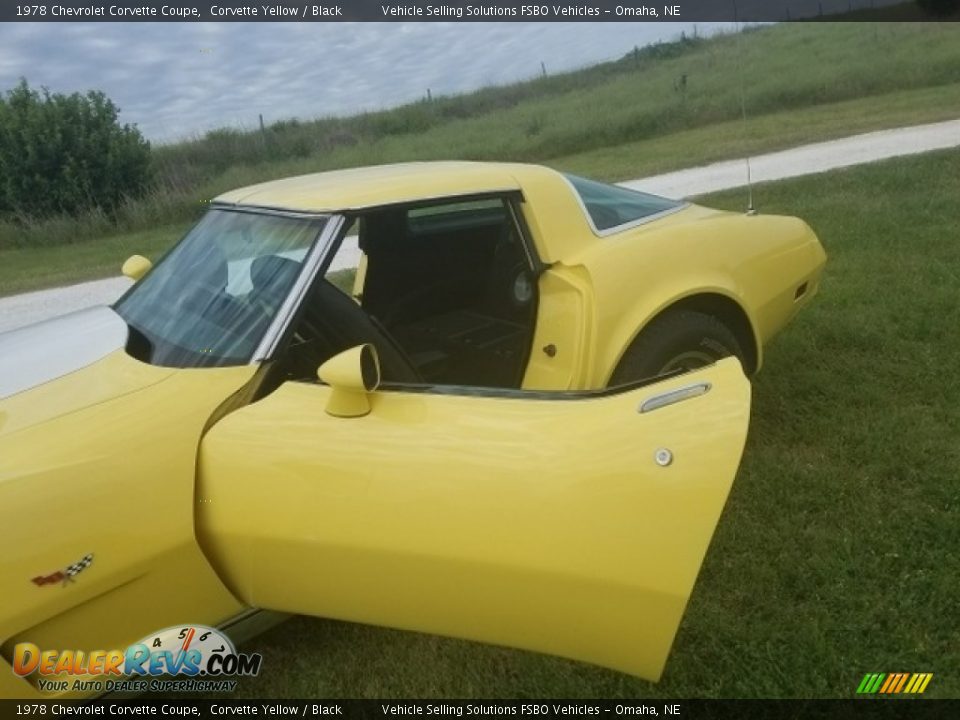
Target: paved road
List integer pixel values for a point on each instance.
(19, 310)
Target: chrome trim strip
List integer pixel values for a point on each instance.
(683, 205)
(655, 402)
(311, 265)
(396, 202)
(526, 241)
(255, 210)
(251, 622)
(640, 221)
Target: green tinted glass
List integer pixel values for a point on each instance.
(610, 206)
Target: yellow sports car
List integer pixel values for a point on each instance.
(516, 421)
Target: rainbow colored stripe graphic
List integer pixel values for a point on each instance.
(894, 683)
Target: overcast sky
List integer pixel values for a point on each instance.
(175, 80)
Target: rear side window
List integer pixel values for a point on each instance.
(610, 206)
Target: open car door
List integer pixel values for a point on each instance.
(568, 523)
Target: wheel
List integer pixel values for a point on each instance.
(677, 341)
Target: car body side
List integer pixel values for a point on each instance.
(598, 291)
(119, 439)
(753, 272)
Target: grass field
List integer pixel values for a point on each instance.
(48, 265)
(636, 116)
(52, 265)
(839, 550)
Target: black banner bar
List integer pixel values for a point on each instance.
(538, 709)
(469, 10)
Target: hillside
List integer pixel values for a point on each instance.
(658, 108)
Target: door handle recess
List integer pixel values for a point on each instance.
(655, 402)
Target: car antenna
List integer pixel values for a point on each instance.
(751, 210)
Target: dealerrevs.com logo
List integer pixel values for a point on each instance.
(180, 658)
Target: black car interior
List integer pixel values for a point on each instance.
(448, 299)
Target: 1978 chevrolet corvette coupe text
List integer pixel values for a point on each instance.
(518, 423)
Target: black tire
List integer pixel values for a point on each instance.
(677, 340)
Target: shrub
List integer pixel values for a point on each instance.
(66, 154)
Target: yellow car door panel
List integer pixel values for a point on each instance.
(568, 525)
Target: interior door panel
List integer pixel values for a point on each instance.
(568, 525)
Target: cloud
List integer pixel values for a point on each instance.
(175, 80)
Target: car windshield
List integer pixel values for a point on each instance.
(210, 301)
(610, 206)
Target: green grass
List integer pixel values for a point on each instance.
(47, 265)
(636, 97)
(765, 133)
(908, 73)
(839, 550)
(26, 269)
